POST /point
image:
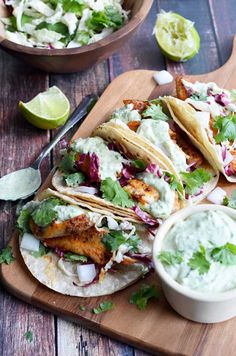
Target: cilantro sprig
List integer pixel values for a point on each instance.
(43, 250)
(113, 192)
(115, 239)
(6, 255)
(231, 201)
(74, 257)
(74, 179)
(22, 222)
(155, 112)
(141, 297)
(103, 307)
(29, 336)
(170, 258)
(195, 180)
(226, 126)
(225, 254)
(199, 261)
(45, 213)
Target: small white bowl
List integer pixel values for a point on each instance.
(197, 306)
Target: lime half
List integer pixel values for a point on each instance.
(47, 110)
(176, 36)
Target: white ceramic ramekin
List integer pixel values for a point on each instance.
(197, 306)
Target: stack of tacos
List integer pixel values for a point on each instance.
(113, 190)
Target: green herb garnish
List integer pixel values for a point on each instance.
(67, 164)
(82, 308)
(69, 256)
(170, 258)
(142, 296)
(155, 112)
(198, 97)
(230, 202)
(113, 192)
(114, 239)
(105, 19)
(45, 213)
(195, 180)
(22, 222)
(29, 336)
(199, 261)
(74, 179)
(104, 306)
(140, 164)
(225, 254)
(6, 255)
(226, 126)
(175, 184)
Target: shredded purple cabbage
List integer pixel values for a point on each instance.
(222, 99)
(59, 252)
(93, 173)
(229, 171)
(145, 217)
(154, 169)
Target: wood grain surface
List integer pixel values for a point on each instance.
(20, 143)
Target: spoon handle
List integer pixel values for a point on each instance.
(78, 114)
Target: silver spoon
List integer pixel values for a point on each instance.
(23, 183)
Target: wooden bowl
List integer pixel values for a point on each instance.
(76, 59)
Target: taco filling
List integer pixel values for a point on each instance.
(216, 113)
(91, 168)
(82, 244)
(151, 122)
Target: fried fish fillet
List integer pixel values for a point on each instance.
(141, 191)
(61, 228)
(139, 105)
(180, 89)
(87, 243)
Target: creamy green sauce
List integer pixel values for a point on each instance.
(157, 132)
(126, 114)
(209, 229)
(19, 184)
(164, 206)
(66, 212)
(110, 162)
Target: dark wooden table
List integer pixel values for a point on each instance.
(20, 143)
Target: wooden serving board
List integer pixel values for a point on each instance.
(159, 328)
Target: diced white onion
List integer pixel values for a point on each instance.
(29, 242)
(112, 224)
(86, 273)
(163, 77)
(228, 158)
(217, 196)
(87, 190)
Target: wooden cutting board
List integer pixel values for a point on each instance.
(159, 328)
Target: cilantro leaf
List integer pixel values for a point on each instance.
(29, 336)
(74, 179)
(175, 184)
(104, 306)
(199, 261)
(142, 296)
(6, 255)
(99, 20)
(67, 164)
(198, 97)
(170, 258)
(155, 112)
(140, 164)
(113, 192)
(195, 180)
(82, 308)
(230, 202)
(44, 214)
(43, 250)
(75, 6)
(226, 126)
(58, 27)
(22, 222)
(225, 254)
(114, 239)
(69, 256)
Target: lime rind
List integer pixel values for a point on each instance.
(47, 110)
(176, 36)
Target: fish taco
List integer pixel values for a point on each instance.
(152, 126)
(208, 114)
(77, 251)
(119, 176)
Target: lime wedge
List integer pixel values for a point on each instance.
(176, 36)
(46, 110)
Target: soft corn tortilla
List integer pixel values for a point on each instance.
(132, 150)
(184, 115)
(48, 269)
